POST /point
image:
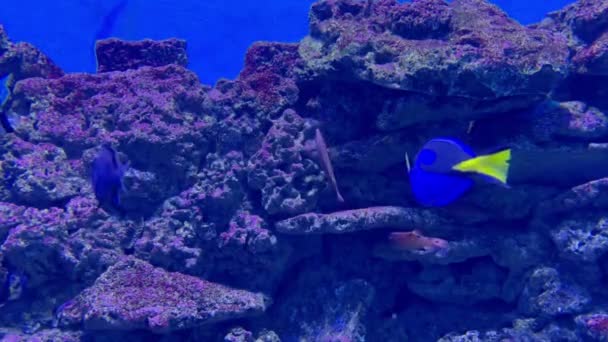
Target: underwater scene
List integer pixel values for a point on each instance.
(304, 171)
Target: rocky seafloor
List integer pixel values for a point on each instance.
(232, 232)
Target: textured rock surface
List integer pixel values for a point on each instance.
(358, 220)
(290, 184)
(133, 294)
(119, 55)
(571, 120)
(23, 60)
(155, 126)
(462, 49)
(547, 294)
(582, 238)
(224, 189)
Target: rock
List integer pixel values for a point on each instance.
(290, 184)
(570, 120)
(519, 251)
(583, 21)
(249, 254)
(133, 294)
(9, 335)
(204, 231)
(546, 294)
(582, 238)
(483, 282)
(120, 55)
(593, 325)
(37, 245)
(464, 49)
(593, 60)
(356, 220)
(374, 154)
(268, 336)
(334, 313)
(590, 195)
(23, 60)
(239, 334)
(10, 217)
(76, 243)
(268, 73)
(410, 109)
(550, 333)
(39, 175)
(150, 114)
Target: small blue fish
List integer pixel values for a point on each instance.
(107, 174)
(445, 169)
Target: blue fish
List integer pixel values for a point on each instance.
(106, 177)
(445, 169)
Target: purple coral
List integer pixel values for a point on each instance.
(133, 294)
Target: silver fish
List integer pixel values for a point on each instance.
(326, 163)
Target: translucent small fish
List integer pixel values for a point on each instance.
(326, 163)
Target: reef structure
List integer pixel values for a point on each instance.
(232, 231)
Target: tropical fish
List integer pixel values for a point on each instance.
(415, 241)
(106, 177)
(444, 169)
(326, 163)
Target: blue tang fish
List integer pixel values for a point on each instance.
(106, 177)
(444, 169)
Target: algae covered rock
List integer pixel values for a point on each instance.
(119, 55)
(134, 295)
(464, 48)
(546, 294)
(358, 220)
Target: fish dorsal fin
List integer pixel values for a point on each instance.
(416, 232)
(494, 165)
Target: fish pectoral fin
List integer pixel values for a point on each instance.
(495, 165)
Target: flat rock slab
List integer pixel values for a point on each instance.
(356, 220)
(133, 294)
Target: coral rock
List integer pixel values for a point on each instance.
(23, 60)
(359, 220)
(582, 238)
(546, 294)
(593, 325)
(593, 59)
(119, 55)
(151, 114)
(465, 49)
(39, 175)
(570, 120)
(290, 184)
(134, 295)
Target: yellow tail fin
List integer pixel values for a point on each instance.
(494, 165)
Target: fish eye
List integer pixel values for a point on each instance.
(427, 156)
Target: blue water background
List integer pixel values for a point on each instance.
(218, 31)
